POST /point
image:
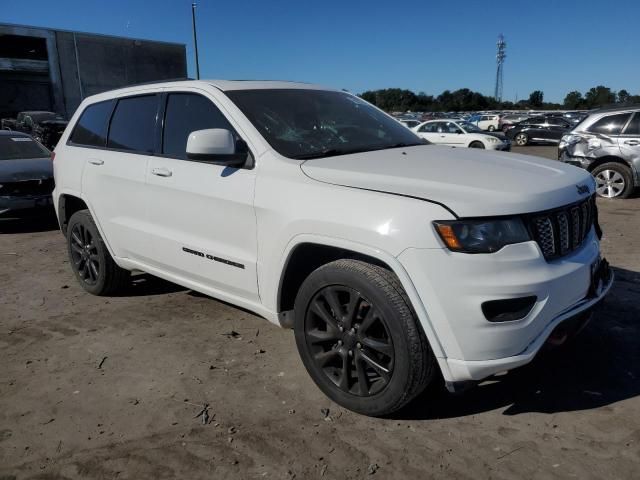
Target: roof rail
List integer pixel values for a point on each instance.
(152, 82)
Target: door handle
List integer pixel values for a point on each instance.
(96, 161)
(162, 172)
(632, 143)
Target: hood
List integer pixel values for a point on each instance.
(499, 135)
(26, 169)
(470, 182)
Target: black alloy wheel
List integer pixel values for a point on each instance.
(349, 340)
(360, 339)
(84, 254)
(90, 259)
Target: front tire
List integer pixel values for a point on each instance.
(360, 339)
(90, 260)
(522, 139)
(491, 128)
(613, 180)
(476, 144)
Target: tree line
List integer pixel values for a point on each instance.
(402, 100)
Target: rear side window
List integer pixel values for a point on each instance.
(186, 113)
(133, 124)
(610, 125)
(634, 126)
(91, 129)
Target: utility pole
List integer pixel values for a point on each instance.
(500, 56)
(195, 38)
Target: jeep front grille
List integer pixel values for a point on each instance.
(561, 231)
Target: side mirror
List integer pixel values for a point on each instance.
(216, 145)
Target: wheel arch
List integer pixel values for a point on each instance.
(303, 255)
(610, 159)
(69, 204)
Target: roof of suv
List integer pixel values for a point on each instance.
(620, 108)
(224, 85)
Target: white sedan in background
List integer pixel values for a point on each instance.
(461, 134)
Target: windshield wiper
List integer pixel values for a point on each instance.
(330, 152)
(399, 145)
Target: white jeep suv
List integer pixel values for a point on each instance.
(394, 261)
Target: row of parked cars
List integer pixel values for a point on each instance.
(606, 142)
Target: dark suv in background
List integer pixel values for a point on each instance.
(539, 130)
(607, 143)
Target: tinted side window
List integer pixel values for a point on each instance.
(634, 126)
(91, 129)
(186, 113)
(557, 121)
(133, 124)
(535, 121)
(610, 125)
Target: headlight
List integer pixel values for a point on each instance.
(481, 236)
(492, 140)
(569, 139)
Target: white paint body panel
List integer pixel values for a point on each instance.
(379, 204)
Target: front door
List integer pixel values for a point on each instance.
(201, 215)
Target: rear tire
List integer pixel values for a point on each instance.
(521, 139)
(613, 180)
(90, 259)
(476, 144)
(360, 339)
(491, 128)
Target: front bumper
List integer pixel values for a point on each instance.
(501, 146)
(15, 204)
(453, 286)
(576, 161)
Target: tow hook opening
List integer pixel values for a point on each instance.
(568, 329)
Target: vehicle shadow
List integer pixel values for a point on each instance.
(145, 285)
(30, 222)
(599, 367)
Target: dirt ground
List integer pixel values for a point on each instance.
(114, 388)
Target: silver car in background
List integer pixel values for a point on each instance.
(607, 144)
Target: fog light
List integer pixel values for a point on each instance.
(508, 310)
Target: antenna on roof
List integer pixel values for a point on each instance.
(195, 38)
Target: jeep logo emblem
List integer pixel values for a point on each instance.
(582, 189)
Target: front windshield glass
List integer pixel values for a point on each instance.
(470, 127)
(303, 124)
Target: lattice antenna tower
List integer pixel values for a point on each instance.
(501, 54)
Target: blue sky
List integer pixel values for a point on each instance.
(430, 46)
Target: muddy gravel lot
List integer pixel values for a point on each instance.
(118, 388)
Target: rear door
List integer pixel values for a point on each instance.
(113, 180)
(201, 214)
(557, 127)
